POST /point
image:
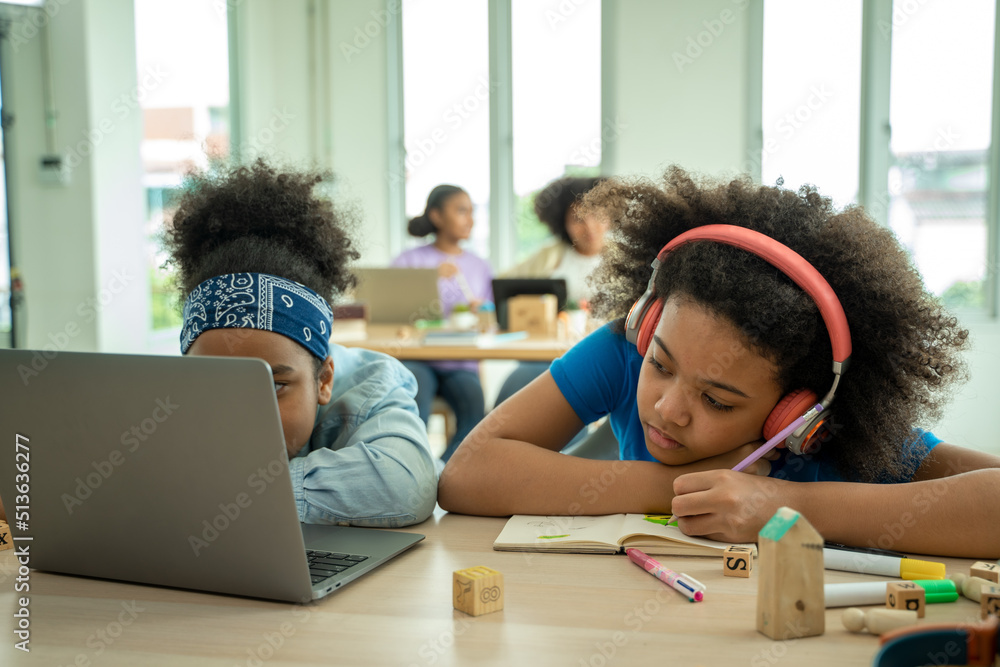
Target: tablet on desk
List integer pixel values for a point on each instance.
(505, 288)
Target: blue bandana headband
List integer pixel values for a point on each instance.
(258, 301)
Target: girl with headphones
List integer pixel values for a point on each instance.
(775, 341)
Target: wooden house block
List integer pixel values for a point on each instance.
(6, 540)
(534, 313)
(477, 590)
(906, 595)
(987, 571)
(737, 562)
(790, 600)
(989, 601)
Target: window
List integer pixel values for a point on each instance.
(446, 106)
(184, 97)
(556, 62)
(940, 111)
(812, 95)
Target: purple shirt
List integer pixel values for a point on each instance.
(478, 276)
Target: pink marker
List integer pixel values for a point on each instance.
(687, 586)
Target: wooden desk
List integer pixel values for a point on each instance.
(385, 338)
(560, 609)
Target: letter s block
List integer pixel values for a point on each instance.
(477, 590)
(906, 595)
(737, 562)
(6, 541)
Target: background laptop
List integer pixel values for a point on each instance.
(399, 296)
(505, 288)
(168, 471)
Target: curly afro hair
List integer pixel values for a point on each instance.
(553, 202)
(906, 346)
(257, 219)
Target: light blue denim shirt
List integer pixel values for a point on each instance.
(367, 462)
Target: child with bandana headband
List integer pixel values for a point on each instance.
(257, 255)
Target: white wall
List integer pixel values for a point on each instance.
(79, 247)
(678, 101)
(314, 93)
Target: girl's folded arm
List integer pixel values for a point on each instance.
(510, 464)
(948, 510)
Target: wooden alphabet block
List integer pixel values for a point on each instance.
(737, 562)
(477, 590)
(906, 595)
(972, 588)
(989, 601)
(534, 313)
(790, 600)
(987, 571)
(6, 541)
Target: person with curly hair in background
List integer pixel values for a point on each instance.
(730, 339)
(572, 256)
(258, 256)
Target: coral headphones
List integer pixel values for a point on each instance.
(800, 403)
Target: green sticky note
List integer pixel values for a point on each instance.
(779, 524)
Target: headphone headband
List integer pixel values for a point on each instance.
(792, 264)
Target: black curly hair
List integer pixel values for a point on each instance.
(906, 346)
(258, 219)
(255, 218)
(553, 202)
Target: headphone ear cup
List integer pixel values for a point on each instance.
(648, 325)
(791, 407)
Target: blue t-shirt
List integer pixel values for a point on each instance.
(600, 375)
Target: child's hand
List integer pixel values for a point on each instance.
(447, 270)
(726, 505)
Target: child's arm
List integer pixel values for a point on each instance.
(510, 464)
(950, 509)
(376, 468)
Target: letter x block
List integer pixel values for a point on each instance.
(906, 595)
(988, 571)
(990, 601)
(737, 562)
(6, 541)
(477, 590)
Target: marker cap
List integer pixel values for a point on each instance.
(911, 569)
(938, 590)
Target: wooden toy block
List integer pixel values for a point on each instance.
(477, 590)
(989, 602)
(972, 587)
(534, 313)
(877, 621)
(737, 562)
(906, 595)
(987, 571)
(790, 600)
(6, 541)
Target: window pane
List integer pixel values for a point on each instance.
(446, 106)
(812, 95)
(184, 98)
(941, 101)
(557, 102)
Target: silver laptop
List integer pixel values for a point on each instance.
(399, 296)
(165, 470)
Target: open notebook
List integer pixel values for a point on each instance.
(611, 533)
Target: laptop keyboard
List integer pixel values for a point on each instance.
(325, 564)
